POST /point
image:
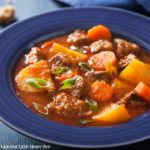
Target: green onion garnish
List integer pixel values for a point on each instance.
(92, 104)
(76, 49)
(40, 108)
(67, 83)
(85, 121)
(111, 69)
(59, 70)
(84, 66)
(37, 83)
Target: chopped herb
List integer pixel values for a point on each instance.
(67, 83)
(37, 83)
(92, 104)
(76, 49)
(85, 121)
(84, 66)
(111, 69)
(59, 70)
(40, 108)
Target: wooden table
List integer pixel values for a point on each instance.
(25, 9)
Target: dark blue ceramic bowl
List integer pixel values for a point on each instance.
(13, 43)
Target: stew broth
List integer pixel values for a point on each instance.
(120, 92)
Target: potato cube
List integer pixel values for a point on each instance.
(115, 114)
(56, 48)
(37, 70)
(135, 72)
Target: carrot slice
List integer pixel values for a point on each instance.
(46, 46)
(99, 32)
(100, 60)
(143, 90)
(101, 91)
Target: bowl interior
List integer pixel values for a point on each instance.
(15, 42)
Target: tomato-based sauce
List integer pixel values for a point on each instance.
(86, 78)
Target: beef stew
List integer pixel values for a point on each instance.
(86, 78)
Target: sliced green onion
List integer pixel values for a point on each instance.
(40, 108)
(37, 83)
(85, 121)
(92, 105)
(111, 69)
(67, 83)
(76, 49)
(59, 70)
(84, 66)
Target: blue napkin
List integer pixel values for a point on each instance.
(142, 6)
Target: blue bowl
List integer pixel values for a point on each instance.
(14, 42)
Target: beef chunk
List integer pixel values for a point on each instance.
(33, 56)
(124, 48)
(126, 61)
(79, 88)
(133, 99)
(101, 45)
(59, 60)
(97, 75)
(134, 103)
(78, 37)
(69, 107)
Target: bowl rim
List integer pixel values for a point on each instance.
(75, 8)
(67, 144)
(71, 145)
